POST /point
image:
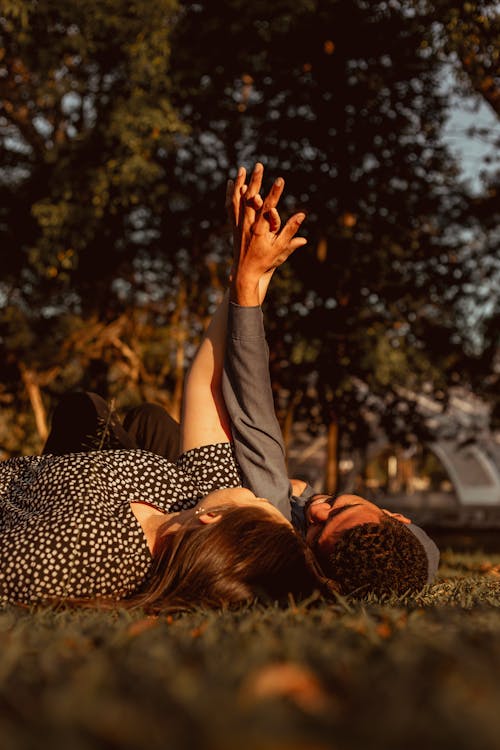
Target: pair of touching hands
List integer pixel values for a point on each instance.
(259, 246)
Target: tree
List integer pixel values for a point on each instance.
(116, 141)
(85, 114)
(467, 36)
(344, 99)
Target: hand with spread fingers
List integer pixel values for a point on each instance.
(259, 245)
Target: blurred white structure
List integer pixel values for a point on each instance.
(453, 480)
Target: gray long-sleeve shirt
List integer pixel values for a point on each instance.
(246, 387)
(258, 441)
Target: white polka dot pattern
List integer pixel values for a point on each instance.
(66, 526)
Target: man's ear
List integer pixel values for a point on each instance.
(397, 516)
(209, 517)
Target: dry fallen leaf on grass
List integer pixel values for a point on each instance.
(142, 625)
(286, 680)
(384, 630)
(490, 570)
(199, 630)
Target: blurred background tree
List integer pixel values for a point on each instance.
(118, 125)
(469, 37)
(85, 115)
(346, 98)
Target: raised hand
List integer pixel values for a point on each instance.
(259, 245)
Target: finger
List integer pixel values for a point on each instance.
(270, 203)
(256, 179)
(238, 184)
(297, 242)
(249, 210)
(274, 220)
(274, 194)
(288, 249)
(229, 195)
(249, 213)
(291, 228)
(234, 190)
(240, 178)
(255, 202)
(241, 205)
(285, 252)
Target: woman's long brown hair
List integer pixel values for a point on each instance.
(245, 556)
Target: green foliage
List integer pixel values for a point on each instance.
(83, 119)
(118, 125)
(468, 34)
(471, 32)
(85, 113)
(344, 99)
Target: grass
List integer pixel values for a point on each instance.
(405, 673)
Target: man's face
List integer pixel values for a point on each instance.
(328, 518)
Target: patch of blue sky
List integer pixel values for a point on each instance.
(472, 133)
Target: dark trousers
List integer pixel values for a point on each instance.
(83, 421)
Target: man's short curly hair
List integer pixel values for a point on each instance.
(382, 558)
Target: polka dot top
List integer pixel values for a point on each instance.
(66, 525)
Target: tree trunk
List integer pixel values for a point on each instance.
(180, 350)
(176, 402)
(35, 397)
(332, 457)
(288, 423)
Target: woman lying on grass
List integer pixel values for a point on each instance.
(128, 526)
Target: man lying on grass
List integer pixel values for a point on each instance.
(360, 546)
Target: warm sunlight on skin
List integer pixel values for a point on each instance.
(239, 497)
(329, 520)
(151, 519)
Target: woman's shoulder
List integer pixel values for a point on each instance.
(19, 464)
(19, 471)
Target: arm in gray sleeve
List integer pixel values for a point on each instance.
(246, 387)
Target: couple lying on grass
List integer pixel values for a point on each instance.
(124, 519)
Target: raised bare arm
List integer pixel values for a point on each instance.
(255, 224)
